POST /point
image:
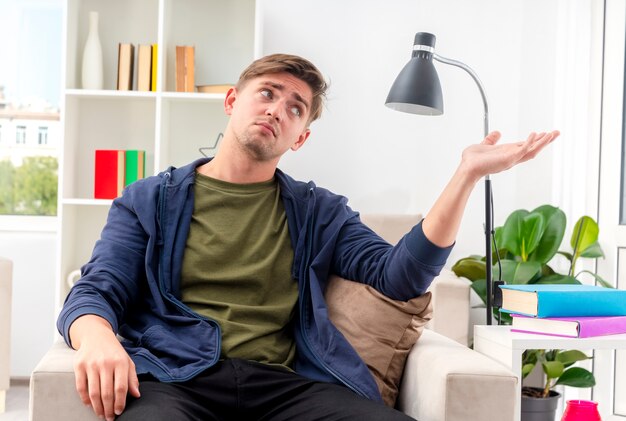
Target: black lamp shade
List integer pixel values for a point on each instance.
(417, 89)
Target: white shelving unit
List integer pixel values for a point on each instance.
(506, 347)
(170, 126)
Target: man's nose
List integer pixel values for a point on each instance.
(275, 110)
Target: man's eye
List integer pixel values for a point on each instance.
(266, 93)
(296, 111)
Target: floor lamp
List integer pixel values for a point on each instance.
(417, 90)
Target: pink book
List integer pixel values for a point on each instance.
(571, 327)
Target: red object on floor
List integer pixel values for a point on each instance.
(580, 410)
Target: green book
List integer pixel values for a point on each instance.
(135, 166)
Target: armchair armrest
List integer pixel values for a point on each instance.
(451, 306)
(446, 381)
(53, 393)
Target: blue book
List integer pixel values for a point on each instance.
(558, 300)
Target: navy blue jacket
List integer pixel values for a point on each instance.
(133, 278)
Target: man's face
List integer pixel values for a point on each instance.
(269, 115)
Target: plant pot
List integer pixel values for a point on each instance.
(540, 409)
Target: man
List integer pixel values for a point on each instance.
(214, 273)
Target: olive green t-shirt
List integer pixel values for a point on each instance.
(237, 268)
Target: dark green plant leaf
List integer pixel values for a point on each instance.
(497, 236)
(505, 318)
(594, 251)
(584, 235)
(530, 356)
(480, 288)
(517, 272)
(567, 255)
(470, 268)
(550, 355)
(597, 277)
(604, 283)
(533, 227)
(553, 232)
(576, 377)
(558, 279)
(503, 253)
(553, 369)
(547, 270)
(512, 232)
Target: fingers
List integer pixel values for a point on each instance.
(81, 385)
(106, 391)
(93, 385)
(133, 381)
(104, 386)
(492, 138)
(535, 143)
(120, 388)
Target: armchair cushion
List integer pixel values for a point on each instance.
(380, 329)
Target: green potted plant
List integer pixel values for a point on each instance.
(526, 245)
(539, 403)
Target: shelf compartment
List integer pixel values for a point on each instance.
(135, 22)
(103, 123)
(202, 122)
(223, 33)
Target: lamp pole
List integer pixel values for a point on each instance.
(488, 202)
(417, 90)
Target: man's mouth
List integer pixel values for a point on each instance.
(268, 126)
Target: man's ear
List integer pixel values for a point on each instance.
(231, 96)
(301, 139)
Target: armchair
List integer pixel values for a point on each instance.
(443, 379)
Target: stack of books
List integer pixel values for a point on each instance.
(116, 169)
(577, 311)
(146, 67)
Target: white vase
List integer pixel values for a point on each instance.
(92, 56)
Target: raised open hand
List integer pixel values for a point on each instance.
(488, 157)
(442, 222)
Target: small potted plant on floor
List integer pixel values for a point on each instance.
(539, 403)
(526, 244)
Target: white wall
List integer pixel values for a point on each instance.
(386, 161)
(33, 253)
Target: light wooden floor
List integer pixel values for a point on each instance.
(16, 402)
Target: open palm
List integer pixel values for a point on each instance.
(488, 157)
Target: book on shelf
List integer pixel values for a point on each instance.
(125, 65)
(563, 300)
(109, 173)
(153, 77)
(570, 327)
(185, 72)
(144, 67)
(135, 166)
(214, 89)
(189, 68)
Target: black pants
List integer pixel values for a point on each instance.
(241, 390)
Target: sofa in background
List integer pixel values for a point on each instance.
(6, 283)
(443, 379)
